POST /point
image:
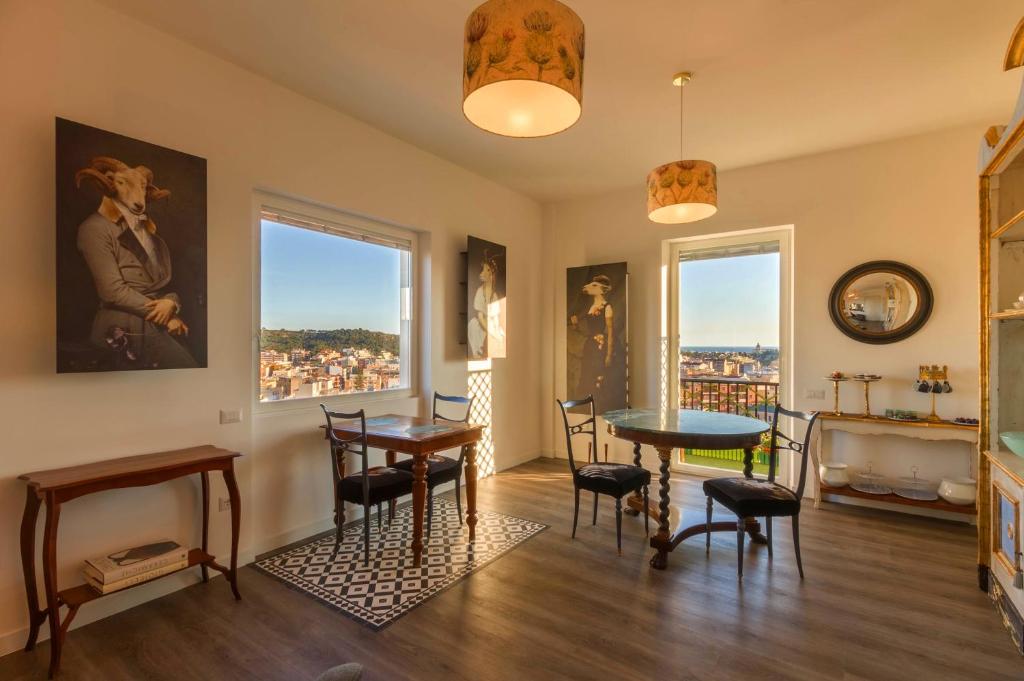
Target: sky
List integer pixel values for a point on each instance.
(729, 301)
(312, 280)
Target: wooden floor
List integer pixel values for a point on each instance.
(887, 596)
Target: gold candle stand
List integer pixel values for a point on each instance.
(933, 373)
(835, 392)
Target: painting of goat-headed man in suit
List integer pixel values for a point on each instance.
(131, 253)
(596, 343)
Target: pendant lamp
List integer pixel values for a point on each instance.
(682, 191)
(522, 70)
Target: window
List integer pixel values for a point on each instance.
(335, 306)
(726, 330)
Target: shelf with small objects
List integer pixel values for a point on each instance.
(951, 494)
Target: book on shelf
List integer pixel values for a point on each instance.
(139, 578)
(136, 560)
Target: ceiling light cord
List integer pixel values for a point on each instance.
(681, 90)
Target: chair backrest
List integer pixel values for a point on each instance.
(780, 440)
(452, 399)
(339, 446)
(588, 426)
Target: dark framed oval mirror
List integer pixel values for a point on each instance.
(880, 302)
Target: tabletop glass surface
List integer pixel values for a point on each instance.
(685, 421)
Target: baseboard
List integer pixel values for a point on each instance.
(111, 605)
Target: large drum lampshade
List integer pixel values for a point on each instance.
(522, 70)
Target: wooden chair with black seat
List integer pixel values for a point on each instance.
(440, 468)
(759, 498)
(367, 487)
(613, 479)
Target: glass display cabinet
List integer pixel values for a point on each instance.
(1000, 470)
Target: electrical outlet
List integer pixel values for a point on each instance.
(223, 504)
(230, 415)
(814, 394)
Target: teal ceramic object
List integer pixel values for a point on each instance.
(1014, 440)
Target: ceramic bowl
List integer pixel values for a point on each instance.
(1014, 439)
(959, 491)
(834, 474)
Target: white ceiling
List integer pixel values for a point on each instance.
(774, 78)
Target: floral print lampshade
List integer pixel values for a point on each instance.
(682, 191)
(522, 71)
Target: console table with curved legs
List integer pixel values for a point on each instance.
(60, 485)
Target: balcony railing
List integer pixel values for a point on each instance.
(734, 396)
(756, 399)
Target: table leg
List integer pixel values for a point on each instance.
(816, 454)
(753, 527)
(662, 541)
(28, 565)
(419, 501)
(471, 489)
(389, 459)
(236, 523)
(204, 478)
(50, 581)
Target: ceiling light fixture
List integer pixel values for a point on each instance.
(522, 72)
(682, 191)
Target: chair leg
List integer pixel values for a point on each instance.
(595, 509)
(576, 510)
(647, 516)
(707, 541)
(741, 532)
(339, 520)
(366, 533)
(391, 509)
(768, 527)
(796, 544)
(458, 500)
(380, 517)
(430, 508)
(618, 523)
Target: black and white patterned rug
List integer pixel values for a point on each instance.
(379, 593)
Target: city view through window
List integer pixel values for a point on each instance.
(331, 314)
(729, 342)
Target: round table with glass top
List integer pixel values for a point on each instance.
(670, 429)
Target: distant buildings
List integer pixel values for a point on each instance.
(761, 366)
(729, 380)
(300, 373)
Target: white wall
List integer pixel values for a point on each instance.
(82, 61)
(912, 200)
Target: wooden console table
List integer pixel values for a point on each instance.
(880, 425)
(57, 486)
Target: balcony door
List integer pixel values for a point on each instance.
(729, 318)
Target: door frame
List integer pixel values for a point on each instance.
(671, 250)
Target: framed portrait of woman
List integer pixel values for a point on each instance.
(486, 305)
(596, 334)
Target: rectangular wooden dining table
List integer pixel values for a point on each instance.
(421, 437)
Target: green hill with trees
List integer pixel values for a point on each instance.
(285, 340)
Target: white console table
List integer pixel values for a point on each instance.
(879, 425)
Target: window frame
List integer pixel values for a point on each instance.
(409, 340)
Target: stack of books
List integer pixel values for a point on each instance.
(138, 564)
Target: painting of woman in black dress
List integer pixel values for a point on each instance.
(596, 335)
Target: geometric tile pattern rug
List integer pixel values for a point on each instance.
(379, 593)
